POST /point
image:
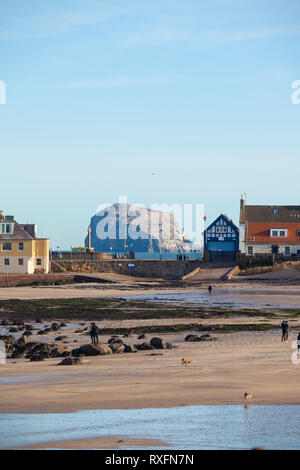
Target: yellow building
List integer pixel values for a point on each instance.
(20, 251)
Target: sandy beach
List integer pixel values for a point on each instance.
(221, 370)
(220, 373)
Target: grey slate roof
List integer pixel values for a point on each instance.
(21, 232)
(272, 214)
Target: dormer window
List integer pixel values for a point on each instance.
(278, 232)
(6, 228)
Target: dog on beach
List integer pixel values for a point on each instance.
(248, 395)
(185, 362)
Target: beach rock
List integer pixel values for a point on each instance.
(37, 357)
(144, 346)
(39, 351)
(23, 340)
(13, 329)
(71, 361)
(55, 327)
(126, 335)
(158, 343)
(142, 336)
(115, 340)
(39, 320)
(92, 350)
(27, 333)
(196, 338)
(60, 338)
(117, 348)
(191, 338)
(9, 340)
(63, 325)
(129, 348)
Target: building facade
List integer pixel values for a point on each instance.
(269, 229)
(21, 252)
(221, 239)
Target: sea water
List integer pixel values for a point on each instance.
(185, 427)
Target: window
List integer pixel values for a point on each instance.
(221, 229)
(38, 262)
(6, 228)
(287, 251)
(275, 211)
(21, 246)
(6, 261)
(20, 261)
(250, 250)
(298, 233)
(279, 233)
(6, 246)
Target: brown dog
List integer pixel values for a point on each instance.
(248, 395)
(185, 362)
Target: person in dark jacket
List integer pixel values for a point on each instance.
(285, 328)
(94, 333)
(210, 289)
(298, 343)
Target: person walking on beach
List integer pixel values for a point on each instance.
(298, 342)
(210, 289)
(94, 333)
(285, 330)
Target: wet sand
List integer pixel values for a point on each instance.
(226, 293)
(96, 443)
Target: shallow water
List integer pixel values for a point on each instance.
(186, 427)
(20, 379)
(219, 299)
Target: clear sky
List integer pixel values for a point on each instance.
(102, 94)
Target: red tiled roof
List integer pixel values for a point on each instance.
(260, 232)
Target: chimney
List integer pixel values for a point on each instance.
(89, 238)
(1, 215)
(242, 209)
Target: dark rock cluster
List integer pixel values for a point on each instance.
(35, 351)
(196, 338)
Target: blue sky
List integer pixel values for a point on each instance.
(102, 94)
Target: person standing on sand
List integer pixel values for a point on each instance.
(298, 342)
(210, 289)
(285, 330)
(94, 333)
